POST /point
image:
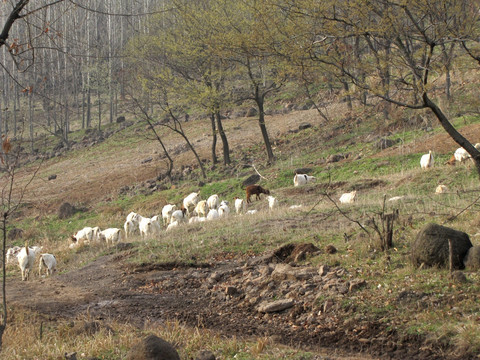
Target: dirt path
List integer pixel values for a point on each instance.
(202, 296)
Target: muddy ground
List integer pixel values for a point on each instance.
(217, 296)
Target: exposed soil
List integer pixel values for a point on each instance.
(109, 289)
(210, 296)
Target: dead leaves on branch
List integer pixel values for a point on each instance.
(6, 147)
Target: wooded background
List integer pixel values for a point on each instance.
(69, 65)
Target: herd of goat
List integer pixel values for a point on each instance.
(192, 210)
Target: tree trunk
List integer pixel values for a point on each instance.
(3, 324)
(1, 119)
(30, 119)
(454, 134)
(226, 148)
(15, 102)
(348, 98)
(214, 139)
(99, 110)
(263, 129)
(89, 105)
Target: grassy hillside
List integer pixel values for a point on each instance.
(93, 178)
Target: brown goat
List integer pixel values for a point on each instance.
(452, 161)
(255, 190)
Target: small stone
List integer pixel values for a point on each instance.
(330, 249)
(459, 277)
(356, 284)
(231, 290)
(276, 306)
(205, 355)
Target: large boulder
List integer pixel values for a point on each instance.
(251, 180)
(472, 259)
(430, 247)
(66, 210)
(153, 348)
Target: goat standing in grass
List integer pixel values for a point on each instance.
(26, 260)
(255, 190)
(302, 179)
(427, 160)
(49, 262)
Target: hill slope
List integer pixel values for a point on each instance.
(216, 275)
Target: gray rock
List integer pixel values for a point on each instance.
(334, 158)
(251, 180)
(328, 305)
(71, 356)
(304, 126)
(472, 259)
(231, 290)
(330, 249)
(356, 284)
(323, 270)
(152, 348)
(287, 272)
(431, 246)
(459, 277)
(275, 306)
(205, 355)
(385, 143)
(251, 112)
(66, 210)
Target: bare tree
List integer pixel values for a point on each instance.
(11, 197)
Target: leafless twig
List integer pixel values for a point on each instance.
(254, 168)
(451, 218)
(345, 215)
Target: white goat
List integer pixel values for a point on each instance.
(196, 219)
(133, 216)
(441, 189)
(172, 225)
(294, 207)
(96, 236)
(213, 214)
(396, 198)
(427, 160)
(130, 228)
(251, 212)
(149, 227)
(349, 198)
(302, 179)
(49, 262)
(272, 202)
(461, 155)
(112, 235)
(240, 205)
(167, 211)
(12, 254)
(84, 235)
(202, 208)
(212, 202)
(131, 225)
(223, 210)
(26, 260)
(190, 202)
(179, 215)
